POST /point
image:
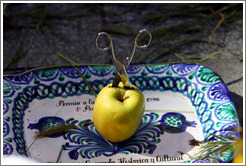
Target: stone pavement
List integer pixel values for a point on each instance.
(72, 29)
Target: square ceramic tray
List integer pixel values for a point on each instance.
(183, 102)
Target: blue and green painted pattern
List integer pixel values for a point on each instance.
(204, 88)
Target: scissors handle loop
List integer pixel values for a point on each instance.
(110, 46)
(129, 58)
(139, 33)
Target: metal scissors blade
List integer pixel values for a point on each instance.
(122, 66)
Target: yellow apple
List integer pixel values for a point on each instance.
(118, 112)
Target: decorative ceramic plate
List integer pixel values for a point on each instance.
(183, 102)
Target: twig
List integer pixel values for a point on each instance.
(31, 144)
(212, 33)
(59, 155)
(213, 147)
(169, 111)
(18, 53)
(50, 67)
(55, 130)
(70, 61)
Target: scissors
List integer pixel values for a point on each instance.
(121, 66)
